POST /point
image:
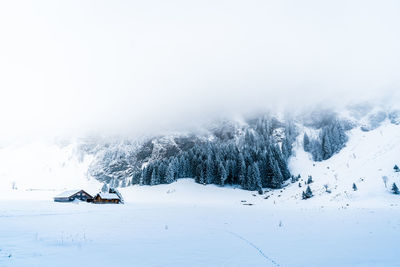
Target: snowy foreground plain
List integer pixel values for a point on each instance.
(186, 224)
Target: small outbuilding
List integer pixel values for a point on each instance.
(72, 195)
(104, 197)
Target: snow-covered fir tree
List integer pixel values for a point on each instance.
(307, 194)
(395, 189)
(355, 187)
(331, 140)
(396, 168)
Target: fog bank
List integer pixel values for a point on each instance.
(80, 68)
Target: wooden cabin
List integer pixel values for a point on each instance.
(72, 195)
(104, 198)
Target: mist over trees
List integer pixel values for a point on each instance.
(254, 160)
(252, 153)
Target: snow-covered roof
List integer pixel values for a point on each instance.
(104, 195)
(68, 193)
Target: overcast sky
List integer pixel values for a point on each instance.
(85, 67)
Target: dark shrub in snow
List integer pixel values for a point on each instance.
(355, 187)
(395, 189)
(396, 168)
(308, 193)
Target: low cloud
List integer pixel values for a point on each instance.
(131, 67)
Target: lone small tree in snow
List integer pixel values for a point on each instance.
(355, 187)
(396, 168)
(385, 179)
(308, 193)
(326, 186)
(395, 189)
(309, 180)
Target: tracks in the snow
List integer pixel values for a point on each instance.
(255, 247)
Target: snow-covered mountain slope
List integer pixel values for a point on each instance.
(367, 157)
(43, 169)
(364, 161)
(40, 169)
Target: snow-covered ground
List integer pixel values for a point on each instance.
(187, 224)
(366, 159)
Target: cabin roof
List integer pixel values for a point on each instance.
(70, 193)
(105, 195)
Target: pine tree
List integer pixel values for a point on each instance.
(249, 177)
(170, 175)
(396, 168)
(306, 143)
(326, 146)
(242, 173)
(308, 193)
(141, 178)
(153, 180)
(257, 177)
(277, 177)
(310, 180)
(339, 136)
(202, 178)
(286, 148)
(395, 189)
(209, 170)
(355, 187)
(316, 150)
(222, 174)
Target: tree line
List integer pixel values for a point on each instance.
(254, 160)
(332, 139)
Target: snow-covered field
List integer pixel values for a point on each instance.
(187, 224)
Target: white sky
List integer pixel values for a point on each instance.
(86, 67)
